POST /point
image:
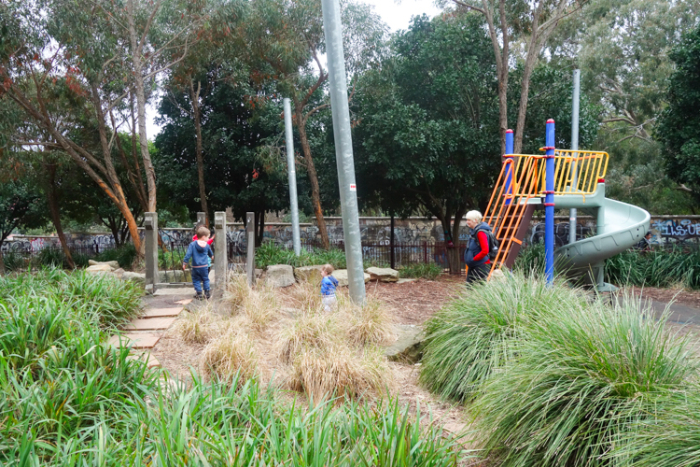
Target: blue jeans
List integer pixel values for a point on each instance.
(200, 276)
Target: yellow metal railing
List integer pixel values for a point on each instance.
(575, 172)
(522, 178)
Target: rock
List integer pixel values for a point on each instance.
(280, 275)
(341, 276)
(404, 280)
(176, 275)
(134, 276)
(112, 264)
(308, 273)
(383, 274)
(408, 346)
(119, 273)
(498, 276)
(99, 268)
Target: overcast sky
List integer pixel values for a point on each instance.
(396, 15)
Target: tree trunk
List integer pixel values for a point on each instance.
(52, 198)
(259, 228)
(194, 96)
(136, 49)
(313, 179)
(452, 254)
(2, 262)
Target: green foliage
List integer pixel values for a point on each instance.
(584, 377)
(102, 299)
(269, 254)
(428, 271)
(657, 268)
(672, 439)
(70, 399)
(473, 335)
(530, 259)
(125, 255)
(679, 124)
(14, 261)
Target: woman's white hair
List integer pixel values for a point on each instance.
(474, 216)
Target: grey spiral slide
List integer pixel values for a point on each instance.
(619, 227)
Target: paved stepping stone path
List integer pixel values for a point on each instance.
(143, 333)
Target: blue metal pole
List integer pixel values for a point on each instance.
(549, 204)
(509, 169)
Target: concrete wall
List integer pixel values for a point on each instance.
(375, 231)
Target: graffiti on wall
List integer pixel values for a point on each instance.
(677, 229)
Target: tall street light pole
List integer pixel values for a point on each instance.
(343, 148)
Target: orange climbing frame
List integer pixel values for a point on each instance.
(576, 173)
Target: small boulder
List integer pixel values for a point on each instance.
(408, 346)
(308, 273)
(99, 268)
(112, 264)
(134, 276)
(383, 274)
(119, 273)
(341, 276)
(280, 275)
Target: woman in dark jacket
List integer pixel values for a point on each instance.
(477, 253)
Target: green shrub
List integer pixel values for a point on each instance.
(583, 379)
(472, 335)
(125, 255)
(429, 271)
(269, 254)
(69, 399)
(670, 440)
(13, 261)
(657, 268)
(81, 260)
(50, 257)
(530, 259)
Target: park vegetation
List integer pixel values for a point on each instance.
(71, 399)
(555, 376)
(76, 83)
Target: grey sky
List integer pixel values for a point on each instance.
(396, 15)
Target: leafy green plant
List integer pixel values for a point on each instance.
(658, 268)
(473, 335)
(51, 257)
(428, 271)
(70, 399)
(269, 254)
(669, 440)
(124, 255)
(583, 379)
(13, 261)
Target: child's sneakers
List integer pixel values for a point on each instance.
(199, 296)
(208, 294)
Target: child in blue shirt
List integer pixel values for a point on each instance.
(199, 252)
(328, 285)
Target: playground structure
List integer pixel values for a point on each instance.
(564, 179)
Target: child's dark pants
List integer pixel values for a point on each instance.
(200, 276)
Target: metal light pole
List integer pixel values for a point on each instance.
(343, 148)
(292, 176)
(574, 146)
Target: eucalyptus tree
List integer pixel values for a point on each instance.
(518, 30)
(283, 42)
(679, 124)
(67, 67)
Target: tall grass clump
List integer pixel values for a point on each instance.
(656, 268)
(125, 255)
(473, 334)
(106, 299)
(583, 379)
(670, 438)
(428, 271)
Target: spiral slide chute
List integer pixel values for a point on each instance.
(619, 227)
